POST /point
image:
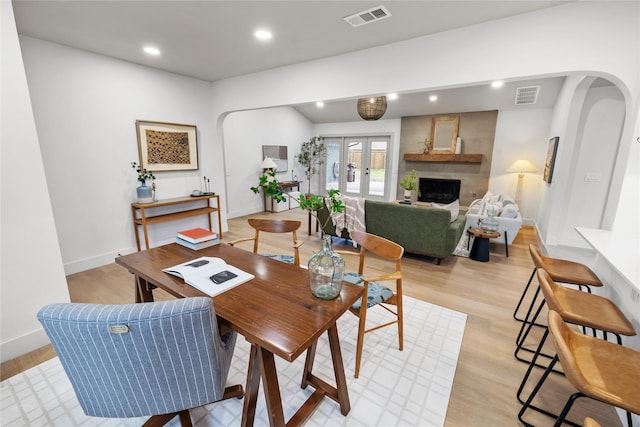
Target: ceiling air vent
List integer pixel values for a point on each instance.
(527, 95)
(368, 16)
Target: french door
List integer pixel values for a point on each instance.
(358, 166)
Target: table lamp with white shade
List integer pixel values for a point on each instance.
(521, 167)
(268, 163)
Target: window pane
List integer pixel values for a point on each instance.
(332, 171)
(354, 166)
(378, 162)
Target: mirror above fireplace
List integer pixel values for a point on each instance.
(444, 131)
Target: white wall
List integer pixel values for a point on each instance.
(520, 134)
(245, 133)
(31, 272)
(594, 157)
(85, 107)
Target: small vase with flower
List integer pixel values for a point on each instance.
(144, 193)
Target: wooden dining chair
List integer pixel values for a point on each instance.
(376, 294)
(275, 226)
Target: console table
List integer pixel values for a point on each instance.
(140, 217)
(284, 185)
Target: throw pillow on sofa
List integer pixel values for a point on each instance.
(509, 211)
(454, 207)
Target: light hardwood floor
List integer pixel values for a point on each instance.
(487, 374)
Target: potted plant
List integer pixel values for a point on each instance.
(326, 268)
(312, 156)
(144, 193)
(410, 184)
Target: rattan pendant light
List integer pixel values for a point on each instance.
(372, 108)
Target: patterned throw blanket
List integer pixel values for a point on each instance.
(352, 218)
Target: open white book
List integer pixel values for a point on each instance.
(210, 275)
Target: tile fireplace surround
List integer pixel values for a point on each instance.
(477, 131)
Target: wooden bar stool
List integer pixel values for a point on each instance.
(590, 422)
(561, 271)
(598, 369)
(580, 308)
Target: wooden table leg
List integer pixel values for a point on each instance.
(143, 290)
(251, 389)
(338, 369)
(262, 364)
(271, 387)
(308, 365)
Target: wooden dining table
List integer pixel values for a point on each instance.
(275, 312)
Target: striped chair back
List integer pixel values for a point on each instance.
(144, 359)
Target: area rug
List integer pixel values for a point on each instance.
(464, 246)
(395, 388)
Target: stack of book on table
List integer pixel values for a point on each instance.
(197, 238)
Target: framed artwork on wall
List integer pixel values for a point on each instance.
(167, 146)
(277, 153)
(551, 159)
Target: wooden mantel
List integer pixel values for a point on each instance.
(445, 157)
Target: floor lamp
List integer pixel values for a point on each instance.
(521, 167)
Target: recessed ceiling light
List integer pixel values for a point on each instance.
(150, 50)
(319, 104)
(263, 35)
(433, 98)
(497, 84)
(392, 96)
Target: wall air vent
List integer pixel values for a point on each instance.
(368, 16)
(527, 95)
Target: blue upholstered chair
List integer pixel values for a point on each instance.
(275, 226)
(376, 294)
(155, 359)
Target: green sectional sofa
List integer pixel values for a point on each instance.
(420, 230)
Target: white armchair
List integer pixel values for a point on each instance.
(508, 217)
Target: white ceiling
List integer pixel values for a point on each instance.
(213, 40)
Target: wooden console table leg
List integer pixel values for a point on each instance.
(135, 227)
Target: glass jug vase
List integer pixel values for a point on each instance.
(326, 270)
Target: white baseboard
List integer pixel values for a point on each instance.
(95, 261)
(23, 345)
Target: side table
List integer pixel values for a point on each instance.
(480, 248)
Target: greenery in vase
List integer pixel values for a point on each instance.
(426, 145)
(310, 202)
(410, 181)
(312, 155)
(143, 174)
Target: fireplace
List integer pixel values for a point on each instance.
(439, 190)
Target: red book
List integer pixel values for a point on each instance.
(196, 235)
